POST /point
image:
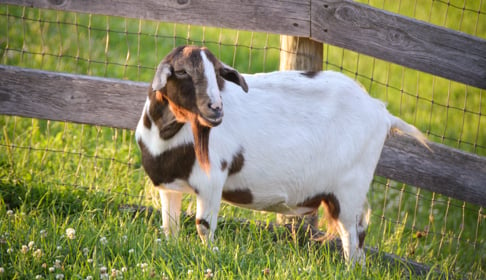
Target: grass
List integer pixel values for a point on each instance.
(55, 176)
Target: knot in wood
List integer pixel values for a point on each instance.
(183, 2)
(57, 2)
(348, 14)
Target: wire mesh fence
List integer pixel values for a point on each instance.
(43, 155)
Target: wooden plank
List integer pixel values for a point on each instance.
(384, 35)
(116, 103)
(289, 16)
(73, 98)
(447, 171)
(398, 39)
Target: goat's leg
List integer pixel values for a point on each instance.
(171, 210)
(208, 205)
(352, 224)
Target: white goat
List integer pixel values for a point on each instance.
(293, 141)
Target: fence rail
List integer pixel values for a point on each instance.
(116, 103)
(395, 38)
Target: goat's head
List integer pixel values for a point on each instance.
(191, 79)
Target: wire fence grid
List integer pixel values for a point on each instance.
(406, 221)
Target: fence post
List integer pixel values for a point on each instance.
(300, 53)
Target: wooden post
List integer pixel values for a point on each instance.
(299, 53)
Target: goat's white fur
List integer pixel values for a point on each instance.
(212, 88)
(301, 136)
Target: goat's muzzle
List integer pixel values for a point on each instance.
(211, 116)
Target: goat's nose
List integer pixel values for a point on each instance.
(216, 106)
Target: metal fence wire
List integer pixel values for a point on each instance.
(406, 220)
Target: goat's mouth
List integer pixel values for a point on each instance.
(209, 116)
(210, 121)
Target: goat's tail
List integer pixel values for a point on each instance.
(401, 127)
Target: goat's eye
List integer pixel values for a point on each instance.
(181, 73)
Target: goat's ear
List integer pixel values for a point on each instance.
(164, 70)
(230, 74)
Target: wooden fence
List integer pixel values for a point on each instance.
(395, 38)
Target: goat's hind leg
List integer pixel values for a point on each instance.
(352, 226)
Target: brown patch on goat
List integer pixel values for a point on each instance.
(172, 164)
(201, 144)
(224, 165)
(243, 196)
(159, 96)
(202, 222)
(361, 238)
(161, 116)
(146, 121)
(202, 227)
(310, 74)
(331, 205)
(237, 163)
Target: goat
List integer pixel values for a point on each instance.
(293, 141)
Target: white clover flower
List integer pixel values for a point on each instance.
(103, 240)
(215, 249)
(10, 250)
(115, 273)
(209, 273)
(89, 277)
(131, 251)
(124, 269)
(59, 248)
(90, 260)
(85, 252)
(39, 277)
(52, 269)
(10, 213)
(104, 276)
(2, 270)
(143, 266)
(43, 233)
(24, 249)
(59, 276)
(57, 264)
(37, 254)
(158, 240)
(103, 269)
(31, 244)
(190, 272)
(71, 233)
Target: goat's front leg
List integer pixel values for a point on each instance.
(208, 204)
(171, 210)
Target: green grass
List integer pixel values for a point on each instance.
(55, 175)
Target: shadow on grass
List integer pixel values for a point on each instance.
(17, 194)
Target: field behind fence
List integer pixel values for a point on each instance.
(57, 175)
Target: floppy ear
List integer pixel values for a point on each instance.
(164, 70)
(230, 74)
